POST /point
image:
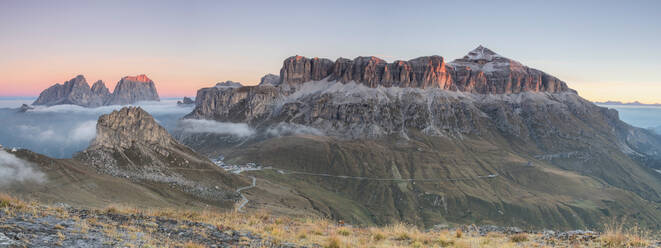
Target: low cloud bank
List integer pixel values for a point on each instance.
(285, 129)
(13, 169)
(61, 131)
(81, 132)
(209, 126)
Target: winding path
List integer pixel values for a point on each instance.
(244, 199)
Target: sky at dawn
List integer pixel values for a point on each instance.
(606, 50)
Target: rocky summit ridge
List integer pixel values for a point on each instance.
(480, 71)
(129, 90)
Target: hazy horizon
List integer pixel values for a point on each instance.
(603, 49)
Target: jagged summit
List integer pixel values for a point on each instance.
(75, 91)
(132, 89)
(481, 53)
(485, 60)
(127, 127)
(129, 90)
(139, 78)
(228, 84)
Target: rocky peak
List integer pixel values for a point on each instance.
(229, 84)
(127, 127)
(75, 91)
(481, 54)
(298, 69)
(99, 88)
(270, 79)
(485, 60)
(139, 78)
(132, 89)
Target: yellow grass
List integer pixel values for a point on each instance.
(317, 232)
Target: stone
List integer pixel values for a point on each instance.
(186, 101)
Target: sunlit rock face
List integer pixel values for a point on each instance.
(75, 91)
(131, 89)
(480, 71)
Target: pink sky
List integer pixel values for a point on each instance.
(604, 49)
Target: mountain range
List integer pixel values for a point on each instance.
(482, 139)
(559, 160)
(129, 90)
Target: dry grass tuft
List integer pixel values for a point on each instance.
(7, 201)
(459, 233)
(519, 237)
(333, 242)
(615, 236)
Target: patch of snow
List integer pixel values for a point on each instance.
(484, 60)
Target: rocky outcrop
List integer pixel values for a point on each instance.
(131, 89)
(99, 89)
(298, 69)
(234, 104)
(481, 71)
(128, 127)
(270, 79)
(24, 108)
(75, 91)
(186, 101)
(229, 84)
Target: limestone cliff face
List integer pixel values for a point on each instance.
(234, 104)
(75, 91)
(131, 89)
(481, 71)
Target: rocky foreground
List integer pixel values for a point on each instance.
(34, 225)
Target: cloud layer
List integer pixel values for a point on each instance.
(13, 169)
(61, 131)
(209, 126)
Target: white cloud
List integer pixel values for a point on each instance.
(13, 169)
(284, 129)
(209, 126)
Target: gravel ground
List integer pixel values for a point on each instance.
(84, 228)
